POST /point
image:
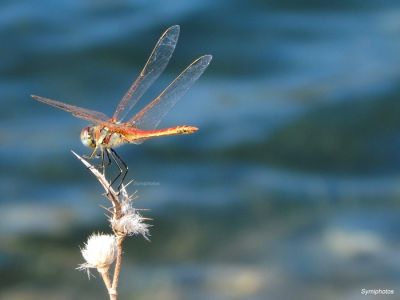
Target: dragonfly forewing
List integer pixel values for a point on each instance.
(154, 66)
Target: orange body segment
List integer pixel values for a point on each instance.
(136, 134)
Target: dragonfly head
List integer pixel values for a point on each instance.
(87, 137)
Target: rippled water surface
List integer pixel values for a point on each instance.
(289, 190)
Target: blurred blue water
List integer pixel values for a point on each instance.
(300, 105)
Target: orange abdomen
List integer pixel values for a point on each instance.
(134, 134)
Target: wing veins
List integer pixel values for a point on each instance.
(79, 112)
(155, 65)
(150, 116)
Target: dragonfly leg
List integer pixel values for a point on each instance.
(105, 163)
(94, 153)
(122, 166)
(105, 160)
(91, 155)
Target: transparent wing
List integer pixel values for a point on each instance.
(79, 112)
(155, 65)
(150, 116)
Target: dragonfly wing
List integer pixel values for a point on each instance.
(79, 112)
(154, 66)
(150, 116)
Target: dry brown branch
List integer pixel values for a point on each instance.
(112, 195)
(125, 221)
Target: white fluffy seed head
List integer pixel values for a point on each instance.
(131, 223)
(99, 252)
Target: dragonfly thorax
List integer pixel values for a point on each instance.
(112, 139)
(101, 136)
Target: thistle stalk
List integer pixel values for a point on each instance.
(101, 250)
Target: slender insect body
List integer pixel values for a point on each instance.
(107, 133)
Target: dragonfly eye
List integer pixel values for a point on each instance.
(87, 137)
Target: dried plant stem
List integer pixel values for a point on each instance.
(107, 281)
(125, 221)
(118, 262)
(113, 196)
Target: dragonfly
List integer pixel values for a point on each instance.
(105, 133)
